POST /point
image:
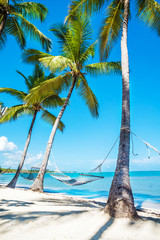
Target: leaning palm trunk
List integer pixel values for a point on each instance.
(13, 182)
(38, 183)
(120, 201)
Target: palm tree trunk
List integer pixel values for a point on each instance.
(38, 183)
(13, 182)
(120, 201)
(4, 19)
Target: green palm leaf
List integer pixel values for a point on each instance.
(33, 55)
(13, 28)
(31, 10)
(53, 101)
(20, 95)
(90, 52)
(31, 30)
(49, 87)
(111, 28)
(26, 80)
(50, 118)
(88, 95)
(15, 112)
(88, 6)
(149, 12)
(97, 69)
(3, 38)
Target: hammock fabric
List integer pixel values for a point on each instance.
(31, 175)
(80, 180)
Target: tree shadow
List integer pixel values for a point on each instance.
(99, 233)
(15, 203)
(71, 202)
(26, 217)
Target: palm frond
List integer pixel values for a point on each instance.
(25, 78)
(111, 28)
(90, 52)
(47, 60)
(31, 10)
(97, 69)
(20, 95)
(13, 28)
(37, 77)
(31, 30)
(50, 118)
(33, 55)
(80, 34)
(52, 101)
(88, 6)
(59, 30)
(89, 97)
(49, 87)
(56, 63)
(15, 112)
(149, 12)
(3, 39)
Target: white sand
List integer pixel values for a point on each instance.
(25, 215)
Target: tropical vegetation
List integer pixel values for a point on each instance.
(15, 19)
(47, 100)
(120, 202)
(76, 50)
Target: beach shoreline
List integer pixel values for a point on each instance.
(55, 216)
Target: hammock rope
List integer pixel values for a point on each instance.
(82, 178)
(91, 176)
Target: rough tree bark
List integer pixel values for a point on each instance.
(120, 202)
(13, 182)
(38, 183)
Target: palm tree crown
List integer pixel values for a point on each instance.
(76, 51)
(15, 20)
(51, 99)
(146, 10)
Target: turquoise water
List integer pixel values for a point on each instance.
(145, 186)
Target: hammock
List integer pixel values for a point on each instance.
(92, 175)
(31, 174)
(80, 180)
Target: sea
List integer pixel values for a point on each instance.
(145, 186)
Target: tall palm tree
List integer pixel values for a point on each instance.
(76, 51)
(120, 201)
(51, 99)
(15, 20)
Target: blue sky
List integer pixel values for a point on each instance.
(86, 141)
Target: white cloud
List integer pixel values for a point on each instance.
(5, 145)
(34, 159)
(13, 159)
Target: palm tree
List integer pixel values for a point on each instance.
(76, 51)
(120, 201)
(14, 20)
(51, 99)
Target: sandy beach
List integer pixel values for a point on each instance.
(28, 215)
